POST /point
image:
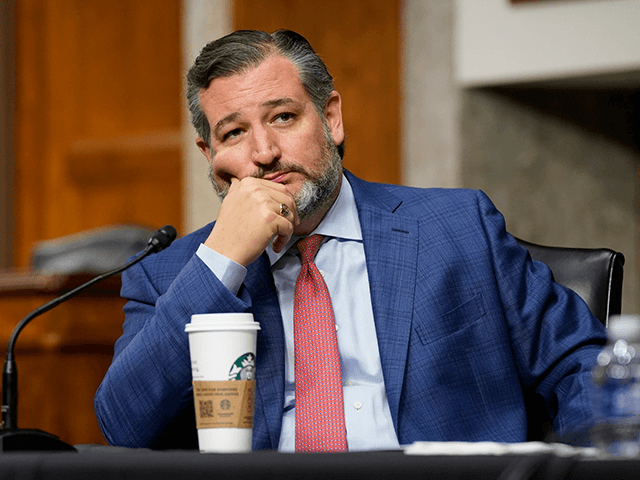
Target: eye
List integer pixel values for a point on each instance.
(231, 134)
(284, 117)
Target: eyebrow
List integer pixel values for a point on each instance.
(279, 102)
(228, 119)
(269, 104)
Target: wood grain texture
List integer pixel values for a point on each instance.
(97, 142)
(62, 356)
(359, 41)
(92, 79)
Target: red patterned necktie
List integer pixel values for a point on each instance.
(318, 379)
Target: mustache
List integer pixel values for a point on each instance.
(261, 172)
(279, 167)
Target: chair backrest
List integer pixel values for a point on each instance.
(595, 274)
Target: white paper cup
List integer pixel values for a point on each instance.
(223, 352)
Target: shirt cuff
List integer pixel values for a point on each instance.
(230, 273)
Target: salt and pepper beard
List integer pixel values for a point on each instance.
(317, 188)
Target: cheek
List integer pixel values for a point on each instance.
(228, 162)
(305, 150)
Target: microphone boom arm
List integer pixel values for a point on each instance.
(160, 240)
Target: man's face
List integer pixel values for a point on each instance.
(263, 124)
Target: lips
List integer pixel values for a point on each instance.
(276, 177)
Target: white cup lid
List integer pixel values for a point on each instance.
(222, 321)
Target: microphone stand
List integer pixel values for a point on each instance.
(13, 438)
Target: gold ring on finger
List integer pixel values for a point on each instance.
(284, 210)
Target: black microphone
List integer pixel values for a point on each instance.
(11, 437)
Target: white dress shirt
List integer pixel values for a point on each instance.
(341, 260)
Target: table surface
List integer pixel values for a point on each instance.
(109, 462)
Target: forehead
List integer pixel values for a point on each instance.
(275, 78)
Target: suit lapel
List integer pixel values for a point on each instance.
(391, 247)
(270, 348)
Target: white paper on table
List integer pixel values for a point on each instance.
(495, 448)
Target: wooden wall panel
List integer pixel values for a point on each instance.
(359, 40)
(6, 132)
(98, 92)
(97, 142)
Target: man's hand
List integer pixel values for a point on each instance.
(250, 219)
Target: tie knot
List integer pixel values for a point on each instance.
(308, 247)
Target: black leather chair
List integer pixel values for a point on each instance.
(596, 275)
(593, 273)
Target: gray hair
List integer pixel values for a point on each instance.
(243, 50)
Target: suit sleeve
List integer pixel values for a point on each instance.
(148, 384)
(554, 336)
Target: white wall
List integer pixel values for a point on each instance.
(203, 21)
(431, 99)
(498, 42)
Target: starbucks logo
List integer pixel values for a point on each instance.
(243, 368)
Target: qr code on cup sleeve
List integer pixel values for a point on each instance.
(206, 408)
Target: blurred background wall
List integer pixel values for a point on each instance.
(534, 102)
(6, 131)
(550, 119)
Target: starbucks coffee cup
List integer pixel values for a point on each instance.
(223, 355)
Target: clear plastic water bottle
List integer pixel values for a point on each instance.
(617, 380)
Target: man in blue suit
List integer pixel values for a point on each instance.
(446, 329)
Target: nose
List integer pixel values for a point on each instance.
(265, 148)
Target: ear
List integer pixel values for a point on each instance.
(204, 148)
(333, 116)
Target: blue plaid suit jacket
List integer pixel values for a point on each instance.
(470, 330)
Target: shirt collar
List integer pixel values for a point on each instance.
(341, 221)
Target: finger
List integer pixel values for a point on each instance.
(286, 207)
(283, 233)
(233, 184)
(293, 214)
(280, 241)
(285, 211)
(278, 244)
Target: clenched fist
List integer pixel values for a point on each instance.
(250, 219)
